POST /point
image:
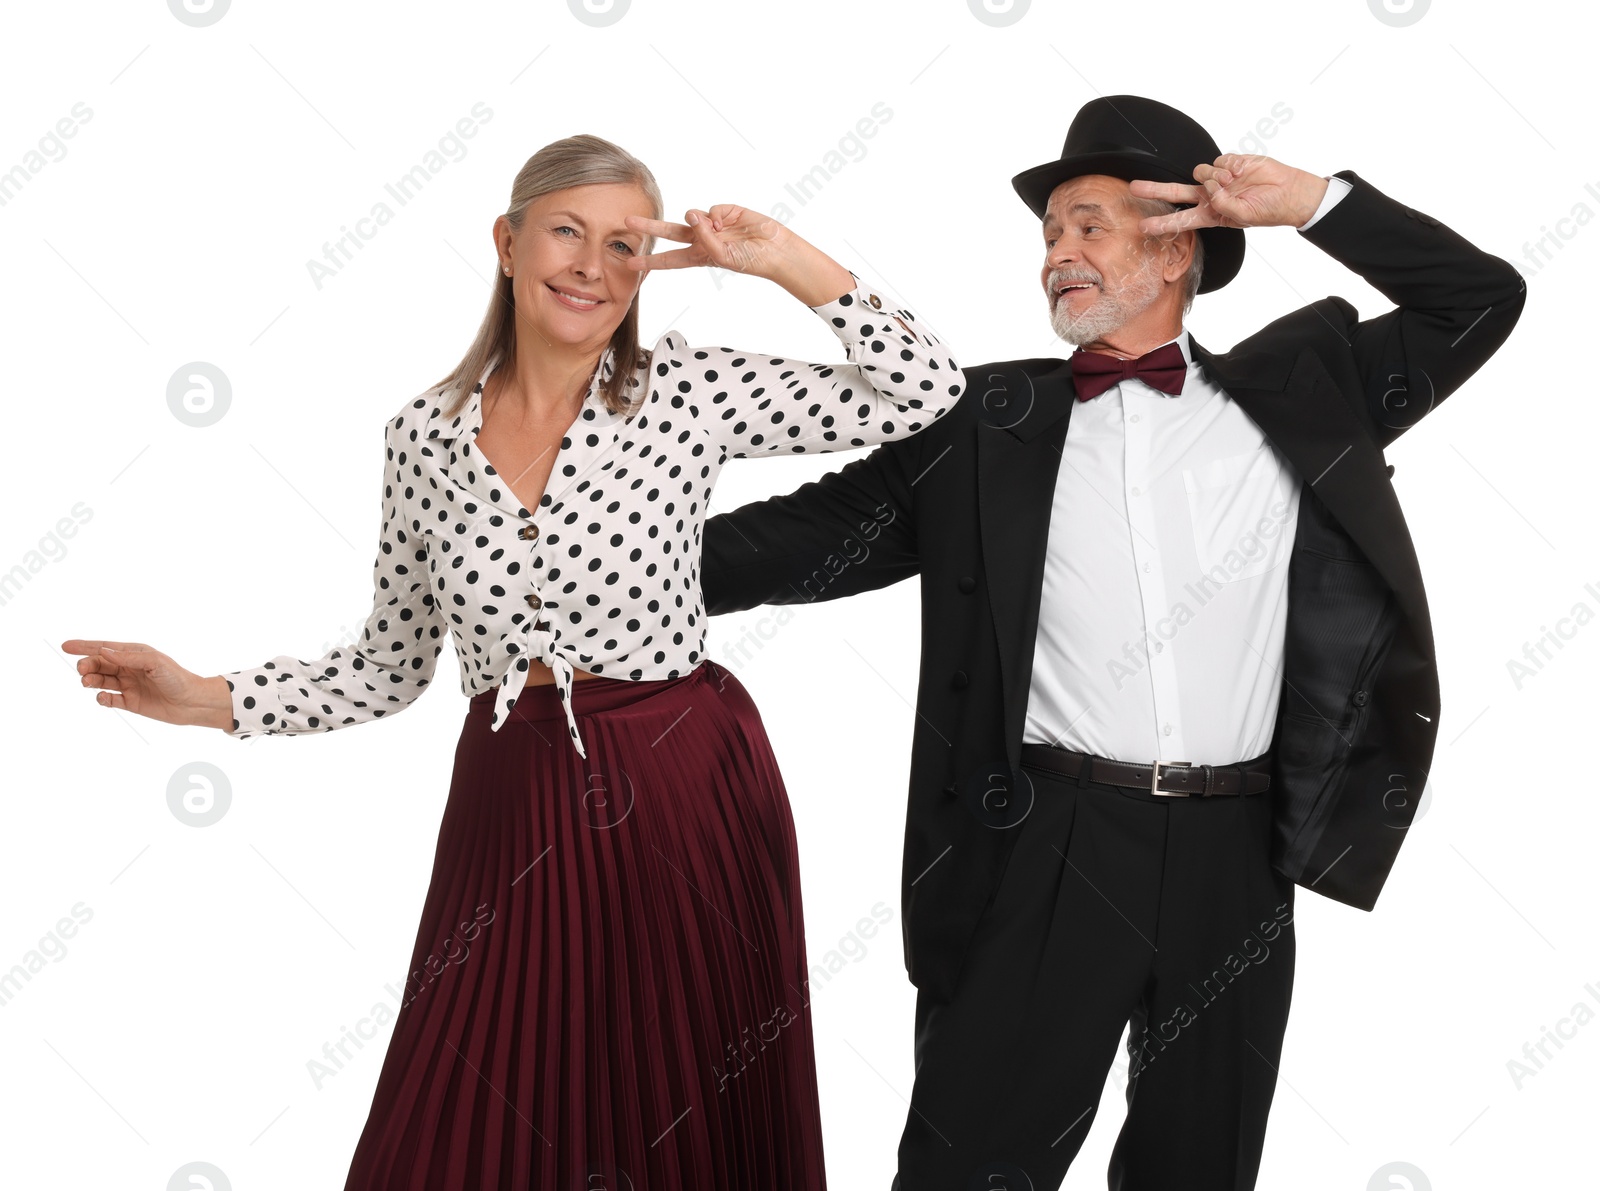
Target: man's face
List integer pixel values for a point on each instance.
(1100, 271)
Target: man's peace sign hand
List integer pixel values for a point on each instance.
(1237, 190)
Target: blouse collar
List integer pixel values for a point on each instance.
(594, 430)
(469, 420)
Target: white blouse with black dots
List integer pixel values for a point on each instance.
(605, 576)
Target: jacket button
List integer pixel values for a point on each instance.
(534, 601)
(1359, 698)
(1389, 470)
(966, 584)
(958, 680)
(528, 532)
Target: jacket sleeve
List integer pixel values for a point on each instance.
(853, 530)
(1455, 304)
(899, 378)
(389, 667)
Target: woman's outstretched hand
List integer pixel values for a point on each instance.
(147, 682)
(736, 238)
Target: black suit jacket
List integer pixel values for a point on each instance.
(966, 505)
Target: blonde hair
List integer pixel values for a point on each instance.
(574, 161)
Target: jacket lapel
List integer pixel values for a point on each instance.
(1022, 425)
(1305, 415)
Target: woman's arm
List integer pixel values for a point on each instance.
(899, 377)
(898, 380)
(383, 673)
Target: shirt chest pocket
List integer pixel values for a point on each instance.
(1240, 507)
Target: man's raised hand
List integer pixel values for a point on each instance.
(1237, 190)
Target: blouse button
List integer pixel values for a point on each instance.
(528, 532)
(534, 601)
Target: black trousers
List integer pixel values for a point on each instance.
(1117, 908)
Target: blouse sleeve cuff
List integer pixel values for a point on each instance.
(256, 710)
(868, 299)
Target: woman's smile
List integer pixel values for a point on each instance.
(575, 299)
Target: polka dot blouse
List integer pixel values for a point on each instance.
(605, 575)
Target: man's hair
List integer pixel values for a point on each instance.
(1148, 207)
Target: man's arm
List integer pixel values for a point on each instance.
(851, 531)
(1455, 304)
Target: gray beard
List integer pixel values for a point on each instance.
(1113, 309)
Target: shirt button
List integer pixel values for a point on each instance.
(1135, 491)
(1135, 418)
(1147, 566)
(1159, 647)
(534, 601)
(1166, 729)
(966, 584)
(876, 303)
(528, 532)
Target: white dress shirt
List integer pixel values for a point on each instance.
(1165, 596)
(605, 574)
(1165, 581)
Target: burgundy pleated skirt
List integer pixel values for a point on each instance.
(608, 989)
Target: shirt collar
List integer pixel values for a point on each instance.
(469, 419)
(1183, 345)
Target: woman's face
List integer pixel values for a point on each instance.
(569, 262)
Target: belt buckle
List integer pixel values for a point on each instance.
(1155, 780)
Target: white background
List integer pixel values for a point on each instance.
(176, 1024)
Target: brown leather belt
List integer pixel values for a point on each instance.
(1176, 779)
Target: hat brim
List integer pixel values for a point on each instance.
(1224, 246)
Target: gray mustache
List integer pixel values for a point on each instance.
(1058, 280)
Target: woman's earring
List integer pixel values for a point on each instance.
(507, 269)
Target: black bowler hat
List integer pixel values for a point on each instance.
(1129, 136)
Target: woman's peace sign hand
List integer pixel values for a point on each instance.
(727, 237)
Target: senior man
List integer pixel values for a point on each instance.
(1176, 652)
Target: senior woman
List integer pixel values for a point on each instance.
(616, 851)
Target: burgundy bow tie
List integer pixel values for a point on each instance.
(1095, 372)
